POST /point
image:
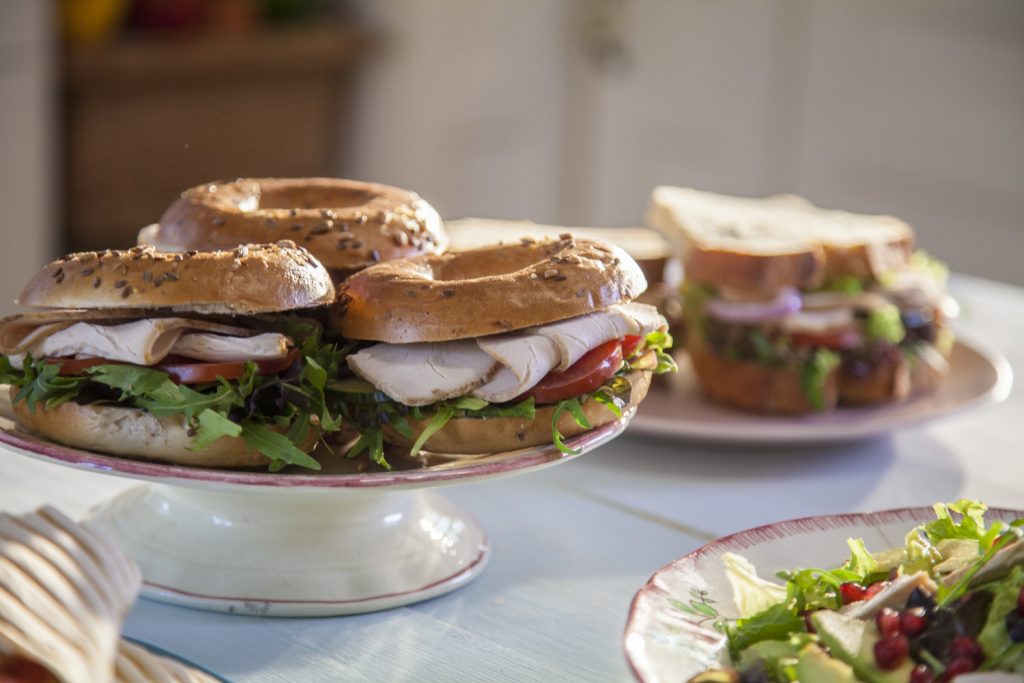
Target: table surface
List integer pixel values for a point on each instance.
(573, 543)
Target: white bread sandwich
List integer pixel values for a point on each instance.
(498, 348)
(190, 358)
(793, 309)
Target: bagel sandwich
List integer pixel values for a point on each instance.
(497, 348)
(346, 224)
(199, 358)
(792, 309)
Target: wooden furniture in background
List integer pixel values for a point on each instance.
(148, 117)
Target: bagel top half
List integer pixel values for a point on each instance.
(484, 291)
(346, 224)
(250, 279)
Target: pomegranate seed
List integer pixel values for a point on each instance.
(807, 621)
(888, 621)
(965, 646)
(852, 592)
(1020, 602)
(922, 674)
(959, 665)
(890, 651)
(913, 621)
(874, 589)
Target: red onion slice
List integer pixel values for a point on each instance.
(785, 302)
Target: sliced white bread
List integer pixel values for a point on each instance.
(764, 244)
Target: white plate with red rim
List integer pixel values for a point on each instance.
(670, 634)
(676, 408)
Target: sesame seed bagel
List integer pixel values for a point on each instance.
(484, 291)
(249, 279)
(137, 433)
(346, 224)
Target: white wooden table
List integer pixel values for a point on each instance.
(573, 543)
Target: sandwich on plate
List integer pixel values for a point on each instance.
(792, 309)
(190, 358)
(497, 348)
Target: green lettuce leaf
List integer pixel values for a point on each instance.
(814, 375)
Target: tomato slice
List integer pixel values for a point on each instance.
(24, 671)
(583, 376)
(630, 343)
(184, 370)
(838, 339)
(196, 373)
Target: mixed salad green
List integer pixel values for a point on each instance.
(949, 601)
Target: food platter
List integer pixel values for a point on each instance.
(350, 539)
(670, 633)
(675, 407)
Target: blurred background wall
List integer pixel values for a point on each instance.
(565, 111)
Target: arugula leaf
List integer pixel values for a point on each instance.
(861, 562)
(971, 524)
(439, 420)
(211, 426)
(574, 408)
(885, 324)
(275, 446)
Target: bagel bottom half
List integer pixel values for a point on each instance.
(135, 433)
(483, 436)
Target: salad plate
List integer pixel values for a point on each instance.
(677, 409)
(677, 621)
(352, 538)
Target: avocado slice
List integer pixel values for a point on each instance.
(853, 642)
(815, 666)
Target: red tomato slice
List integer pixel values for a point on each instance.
(183, 370)
(630, 343)
(838, 339)
(24, 671)
(583, 376)
(196, 373)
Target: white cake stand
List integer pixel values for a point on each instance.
(343, 541)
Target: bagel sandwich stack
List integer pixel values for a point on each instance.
(189, 358)
(64, 593)
(346, 224)
(793, 309)
(498, 348)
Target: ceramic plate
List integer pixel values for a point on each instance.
(338, 472)
(670, 634)
(676, 408)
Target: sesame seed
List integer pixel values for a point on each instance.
(147, 276)
(296, 226)
(400, 239)
(357, 245)
(447, 293)
(550, 274)
(173, 277)
(96, 283)
(59, 275)
(271, 223)
(534, 276)
(178, 257)
(87, 271)
(219, 220)
(411, 293)
(319, 230)
(190, 253)
(528, 241)
(126, 292)
(561, 278)
(375, 256)
(293, 212)
(120, 283)
(242, 251)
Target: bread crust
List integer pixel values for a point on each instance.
(484, 291)
(755, 387)
(346, 224)
(134, 433)
(764, 244)
(263, 278)
(482, 436)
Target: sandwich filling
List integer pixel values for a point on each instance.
(244, 379)
(860, 328)
(505, 375)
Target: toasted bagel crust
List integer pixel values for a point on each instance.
(484, 291)
(253, 278)
(347, 224)
(482, 436)
(135, 433)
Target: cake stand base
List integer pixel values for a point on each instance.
(293, 553)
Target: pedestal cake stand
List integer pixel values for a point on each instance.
(347, 540)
